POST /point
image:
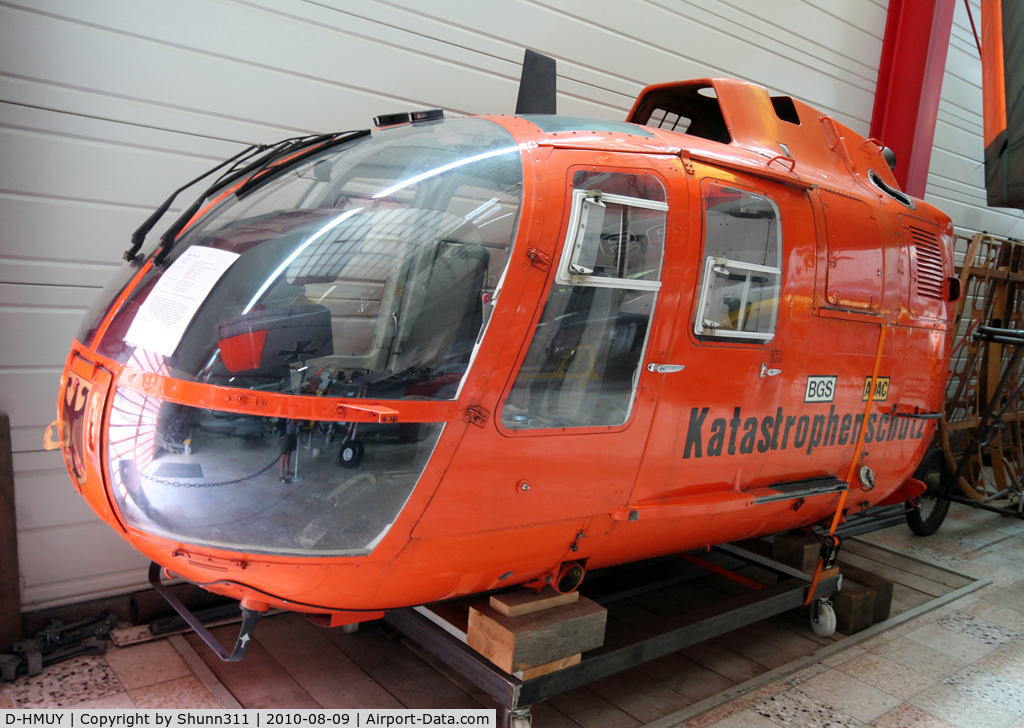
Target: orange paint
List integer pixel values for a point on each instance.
(680, 414)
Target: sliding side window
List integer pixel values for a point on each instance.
(583, 364)
(742, 273)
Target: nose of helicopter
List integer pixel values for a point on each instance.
(276, 382)
(260, 484)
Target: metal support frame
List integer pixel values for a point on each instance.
(640, 646)
(983, 506)
(873, 519)
(910, 73)
(10, 581)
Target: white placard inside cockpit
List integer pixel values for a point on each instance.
(170, 307)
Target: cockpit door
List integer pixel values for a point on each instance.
(575, 412)
(584, 362)
(584, 393)
(714, 427)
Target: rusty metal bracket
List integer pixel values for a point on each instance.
(538, 258)
(477, 415)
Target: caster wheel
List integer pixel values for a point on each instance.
(931, 511)
(350, 628)
(823, 618)
(351, 454)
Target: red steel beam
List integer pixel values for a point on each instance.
(909, 84)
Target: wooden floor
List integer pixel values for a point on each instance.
(294, 664)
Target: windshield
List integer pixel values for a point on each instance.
(366, 271)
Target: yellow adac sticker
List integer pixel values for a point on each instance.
(881, 390)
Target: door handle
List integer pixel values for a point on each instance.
(665, 368)
(765, 371)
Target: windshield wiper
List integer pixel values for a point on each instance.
(290, 153)
(139, 236)
(293, 149)
(295, 154)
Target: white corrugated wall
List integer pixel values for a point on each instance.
(106, 106)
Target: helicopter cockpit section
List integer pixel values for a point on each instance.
(347, 262)
(365, 273)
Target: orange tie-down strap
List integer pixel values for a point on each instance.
(830, 541)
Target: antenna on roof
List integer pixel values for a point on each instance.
(537, 85)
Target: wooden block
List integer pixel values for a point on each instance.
(756, 545)
(881, 586)
(524, 601)
(532, 640)
(550, 667)
(455, 612)
(796, 549)
(854, 606)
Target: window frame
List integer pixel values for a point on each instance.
(710, 333)
(702, 329)
(572, 246)
(561, 276)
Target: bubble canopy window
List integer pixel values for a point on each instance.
(213, 478)
(366, 271)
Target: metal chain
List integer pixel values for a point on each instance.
(161, 481)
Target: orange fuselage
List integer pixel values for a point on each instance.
(695, 461)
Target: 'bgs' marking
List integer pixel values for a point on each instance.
(820, 389)
(881, 390)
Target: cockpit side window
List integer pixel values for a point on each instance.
(742, 266)
(583, 364)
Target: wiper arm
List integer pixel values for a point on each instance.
(139, 236)
(290, 152)
(304, 150)
(275, 151)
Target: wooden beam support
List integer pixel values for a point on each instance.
(797, 549)
(535, 639)
(854, 606)
(879, 584)
(525, 601)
